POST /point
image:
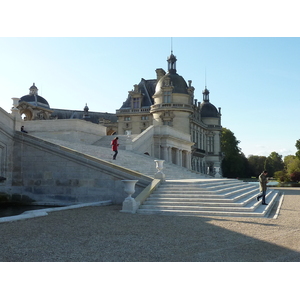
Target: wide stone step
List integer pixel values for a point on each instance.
(202, 194)
(158, 204)
(203, 213)
(185, 194)
(252, 210)
(201, 199)
(206, 190)
(200, 208)
(237, 200)
(233, 188)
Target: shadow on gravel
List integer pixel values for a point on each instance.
(103, 234)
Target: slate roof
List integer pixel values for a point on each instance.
(35, 100)
(147, 88)
(208, 110)
(176, 81)
(93, 117)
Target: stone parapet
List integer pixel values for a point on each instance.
(53, 174)
(74, 130)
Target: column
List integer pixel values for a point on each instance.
(165, 150)
(180, 157)
(188, 160)
(177, 157)
(170, 154)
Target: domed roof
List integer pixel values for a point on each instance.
(172, 78)
(208, 110)
(34, 99)
(175, 80)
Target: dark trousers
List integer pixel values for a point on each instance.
(263, 195)
(115, 155)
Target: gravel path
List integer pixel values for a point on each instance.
(103, 234)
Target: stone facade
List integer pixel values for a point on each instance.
(168, 104)
(7, 131)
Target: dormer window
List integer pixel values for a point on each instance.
(135, 102)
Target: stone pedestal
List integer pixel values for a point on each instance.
(128, 143)
(159, 166)
(15, 111)
(217, 172)
(129, 204)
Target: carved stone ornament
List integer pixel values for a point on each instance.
(167, 116)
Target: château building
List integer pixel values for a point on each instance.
(160, 117)
(169, 101)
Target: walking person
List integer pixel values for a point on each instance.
(114, 146)
(263, 180)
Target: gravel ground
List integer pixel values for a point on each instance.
(103, 234)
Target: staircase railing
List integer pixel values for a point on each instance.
(143, 142)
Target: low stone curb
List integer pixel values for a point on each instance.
(44, 211)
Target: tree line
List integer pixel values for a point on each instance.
(236, 165)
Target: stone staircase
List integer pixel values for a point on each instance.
(213, 197)
(141, 163)
(184, 192)
(106, 140)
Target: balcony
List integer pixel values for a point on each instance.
(133, 110)
(173, 106)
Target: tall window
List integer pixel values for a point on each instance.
(201, 140)
(210, 144)
(167, 97)
(136, 103)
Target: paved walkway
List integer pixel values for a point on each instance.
(104, 234)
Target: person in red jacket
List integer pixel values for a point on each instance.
(114, 146)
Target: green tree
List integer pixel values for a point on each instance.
(282, 176)
(234, 161)
(256, 164)
(298, 148)
(274, 163)
(292, 164)
(295, 176)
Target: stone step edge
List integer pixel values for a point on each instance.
(255, 213)
(205, 213)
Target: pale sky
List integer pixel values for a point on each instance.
(255, 80)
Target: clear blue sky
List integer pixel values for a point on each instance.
(255, 80)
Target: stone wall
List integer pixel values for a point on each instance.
(43, 173)
(73, 130)
(6, 145)
(52, 174)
